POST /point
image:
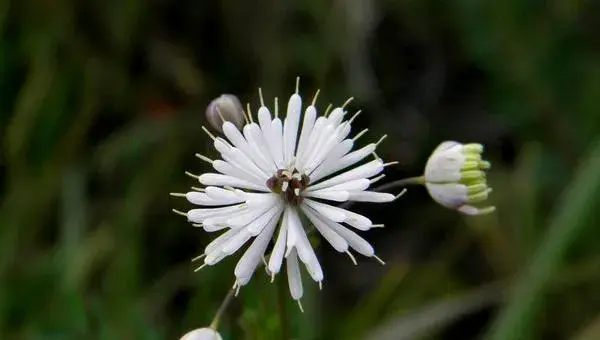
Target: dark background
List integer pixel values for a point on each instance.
(101, 104)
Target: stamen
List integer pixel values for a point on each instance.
(197, 189)
(347, 102)
(320, 285)
(390, 163)
(297, 191)
(220, 114)
(327, 109)
(378, 226)
(249, 113)
(381, 140)
(401, 194)
(177, 194)
(179, 212)
(260, 95)
(272, 277)
(297, 84)
(352, 258)
(379, 260)
(276, 107)
(200, 268)
(192, 175)
(355, 115)
(204, 158)
(237, 290)
(315, 97)
(264, 260)
(360, 134)
(199, 257)
(373, 180)
(208, 133)
(300, 305)
(284, 186)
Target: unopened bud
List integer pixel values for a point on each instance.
(202, 334)
(226, 107)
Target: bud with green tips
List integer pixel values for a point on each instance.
(455, 176)
(226, 107)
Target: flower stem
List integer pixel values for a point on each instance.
(402, 183)
(215, 323)
(283, 313)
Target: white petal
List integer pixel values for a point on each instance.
(250, 215)
(224, 180)
(336, 241)
(294, 276)
(324, 150)
(334, 156)
(219, 241)
(224, 195)
(326, 194)
(357, 184)
(253, 255)
(236, 242)
(277, 129)
(356, 242)
(237, 139)
(310, 115)
(290, 129)
(230, 170)
(358, 221)
(308, 256)
(445, 164)
(276, 259)
(263, 159)
(214, 257)
(364, 171)
(264, 119)
(257, 140)
(336, 116)
(312, 141)
(199, 215)
(331, 212)
(353, 157)
(370, 196)
(294, 228)
(272, 216)
(202, 198)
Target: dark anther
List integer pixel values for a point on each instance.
(293, 183)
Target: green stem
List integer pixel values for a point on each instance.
(282, 305)
(215, 323)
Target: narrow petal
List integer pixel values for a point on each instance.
(310, 115)
(336, 241)
(224, 180)
(354, 240)
(333, 213)
(219, 241)
(220, 194)
(353, 185)
(249, 261)
(238, 172)
(294, 276)
(276, 259)
(236, 242)
(199, 215)
(202, 198)
(290, 129)
(364, 171)
(331, 195)
(277, 129)
(370, 196)
(308, 256)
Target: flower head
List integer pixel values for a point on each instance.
(455, 177)
(202, 334)
(277, 171)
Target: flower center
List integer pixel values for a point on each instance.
(289, 184)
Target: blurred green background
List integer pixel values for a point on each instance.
(101, 104)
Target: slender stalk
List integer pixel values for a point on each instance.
(215, 323)
(401, 183)
(283, 313)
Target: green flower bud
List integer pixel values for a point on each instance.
(455, 177)
(202, 334)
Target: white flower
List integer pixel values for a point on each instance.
(202, 334)
(455, 177)
(271, 175)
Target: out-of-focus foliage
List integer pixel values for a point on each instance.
(101, 104)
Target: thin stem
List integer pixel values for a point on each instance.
(283, 313)
(215, 323)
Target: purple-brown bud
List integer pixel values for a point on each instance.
(226, 107)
